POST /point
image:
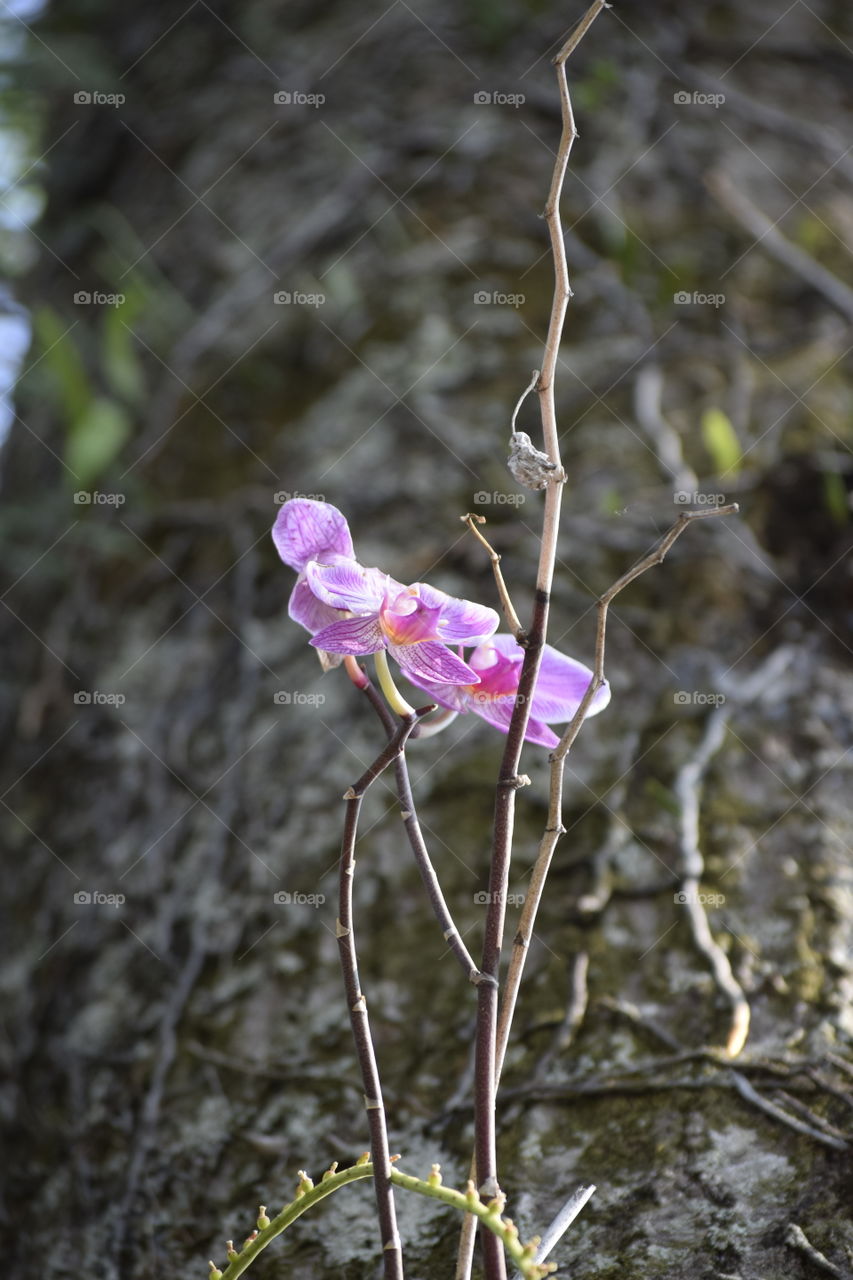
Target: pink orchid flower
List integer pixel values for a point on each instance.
(307, 530)
(497, 661)
(415, 624)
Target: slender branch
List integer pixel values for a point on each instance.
(391, 1248)
(770, 238)
(688, 782)
(554, 827)
(485, 1067)
(506, 603)
(437, 901)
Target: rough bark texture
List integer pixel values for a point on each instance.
(172, 1061)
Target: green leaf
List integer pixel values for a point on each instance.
(721, 441)
(95, 439)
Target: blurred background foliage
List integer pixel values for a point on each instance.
(170, 1063)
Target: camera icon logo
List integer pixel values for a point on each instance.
(82, 698)
(82, 498)
(82, 298)
(482, 297)
(282, 98)
(682, 298)
(82, 898)
(682, 698)
(282, 298)
(482, 98)
(82, 98)
(482, 898)
(282, 898)
(681, 98)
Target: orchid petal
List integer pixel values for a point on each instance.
(432, 661)
(454, 696)
(406, 619)
(351, 635)
(308, 611)
(304, 530)
(348, 585)
(498, 713)
(561, 686)
(462, 621)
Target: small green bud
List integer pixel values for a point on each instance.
(305, 1184)
(472, 1195)
(434, 1179)
(364, 1158)
(330, 1172)
(263, 1220)
(250, 1238)
(230, 1251)
(215, 1273)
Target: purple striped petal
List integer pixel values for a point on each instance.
(308, 611)
(306, 530)
(432, 661)
(561, 686)
(498, 713)
(351, 635)
(454, 696)
(348, 585)
(462, 621)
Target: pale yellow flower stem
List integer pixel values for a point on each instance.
(396, 701)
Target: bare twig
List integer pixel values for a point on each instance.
(688, 784)
(412, 825)
(791, 256)
(746, 1091)
(797, 1239)
(506, 603)
(554, 828)
(392, 1253)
